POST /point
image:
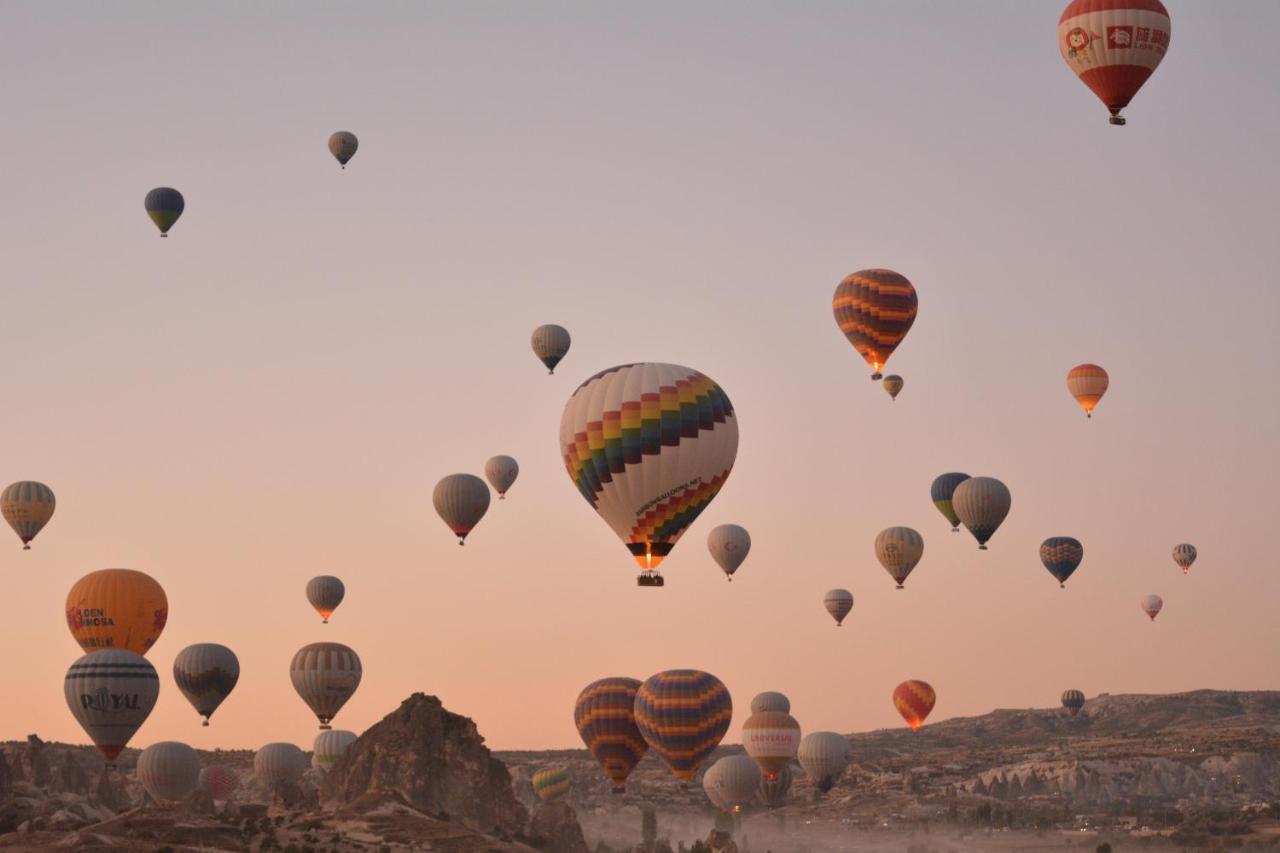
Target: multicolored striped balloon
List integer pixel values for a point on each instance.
(899, 549)
(1113, 46)
(552, 784)
(838, 602)
(649, 446)
(1072, 701)
(27, 506)
(1061, 555)
(1087, 383)
(875, 309)
(944, 486)
(1184, 555)
(683, 714)
(605, 715)
(914, 700)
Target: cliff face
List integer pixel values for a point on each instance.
(437, 762)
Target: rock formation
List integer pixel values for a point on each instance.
(555, 827)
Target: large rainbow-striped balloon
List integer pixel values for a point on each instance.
(605, 715)
(683, 714)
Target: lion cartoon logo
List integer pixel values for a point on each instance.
(1077, 40)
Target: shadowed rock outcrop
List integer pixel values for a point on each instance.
(555, 827)
(437, 762)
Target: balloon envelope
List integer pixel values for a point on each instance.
(206, 673)
(325, 593)
(501, 472)
(164, 205)
(329, 747)
(461, 500)
(170, 771)
(941, 492)
(771, 739)
(219, 782)
(893, 385)
(1184, 555)
(550, 344)
(824, 757)
(683, 714)
(111, 694)
(1061, 555)
(552, 783)
(899, 549)
(1072, 701)
(729, 545)
(27, 506)
(343, 145)
(875, 309)
(606, 720)
(838, 603)
(732, 782)
(772, 793)
(914, 700)
(279, 764)
(117, 609)
(325, 675)
(982, 504)
(1087, 383)
(770, 700)
(1152, 605)
(649, 446)
(1113, 46)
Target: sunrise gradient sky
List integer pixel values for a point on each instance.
(273, 392)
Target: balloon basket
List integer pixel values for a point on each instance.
(1118, 121)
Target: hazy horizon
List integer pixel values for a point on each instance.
(272, 392)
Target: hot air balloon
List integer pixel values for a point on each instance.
(772, 793)
(164, 205)
(1061, 555)
(219, 782)
(606, 720)
(325, 676)
(111, 694)
(278, 765)
(771, 738)
(941, 492)
(116, 609)
(329, 747)
(1072, 701)
(982, 504)
(1087, 383)
(838, 603)
(899, 549)
(770, 700)
(892, 385)
(875, 309)
(325, 593)
(683, 714)
(732, 782)
(824, 757)
(206, 674)
(169, 771)
(501, 472)
(729, 545)
(552, 783)
(550, 344)
(649, 446)
(27, 506)
(1184, 555)
(914, 700)
(1152, 605)
(343, 145)
(1113, 46)
(461, 500)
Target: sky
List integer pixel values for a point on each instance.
(273, 392)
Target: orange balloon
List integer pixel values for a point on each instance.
(914, 700)
(1087, 383)
(117, 609)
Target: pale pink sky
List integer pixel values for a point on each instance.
(273, 392)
